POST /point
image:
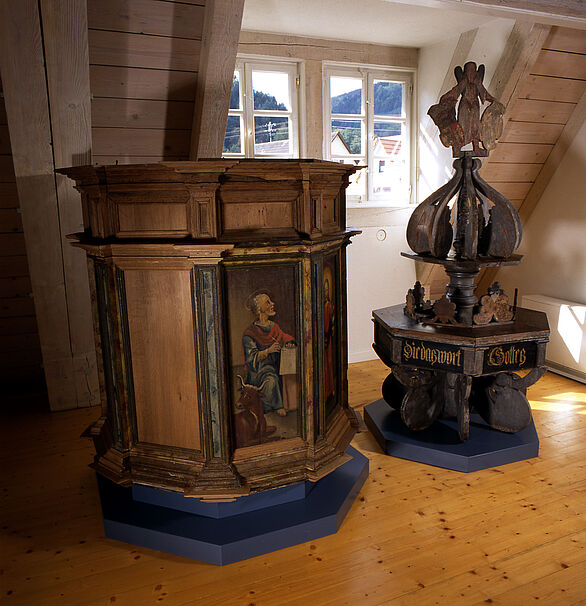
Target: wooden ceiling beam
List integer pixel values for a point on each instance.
(568, 13)
(568, 10)
(43, 57)
(521, 52)
(221, 31)
(527, 52)
(65, 39)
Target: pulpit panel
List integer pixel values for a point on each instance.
(162, 343)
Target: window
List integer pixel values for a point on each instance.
(367, 122)
(263, 114)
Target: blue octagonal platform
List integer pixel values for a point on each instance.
(222, 533)
(439, 445)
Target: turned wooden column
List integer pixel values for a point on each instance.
(460, 291)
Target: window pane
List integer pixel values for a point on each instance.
(232, 139)
(390, 174)
(346, 137)
(388, 98)
(358, 181)
(387, 129)
(271, 90)
(346, 94)
(235, 95)
(271, 135)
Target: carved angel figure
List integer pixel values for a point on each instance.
(468, 126)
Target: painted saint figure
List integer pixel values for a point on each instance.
(329, 329)
(262, 343)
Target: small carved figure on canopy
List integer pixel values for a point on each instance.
(481, 223)
(468, 126)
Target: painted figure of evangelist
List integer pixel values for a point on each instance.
(267, 351)
(329, 337)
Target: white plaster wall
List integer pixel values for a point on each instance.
(374, 21)
(435, 160)
(489, 44)
(377, 274)
(554, 238)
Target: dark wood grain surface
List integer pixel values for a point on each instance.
(528, 325)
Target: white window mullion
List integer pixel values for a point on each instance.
(248, 104)
(370, 126)
(236, 113)
(407, 105)
(277, 113)
(294, 134)
(364, 120)
(327, 113)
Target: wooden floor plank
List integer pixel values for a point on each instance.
(415, 535)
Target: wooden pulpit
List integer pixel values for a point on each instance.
(219, 291)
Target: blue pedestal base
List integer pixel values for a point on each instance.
(439, 445)
(222, 533)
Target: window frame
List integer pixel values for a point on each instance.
(368, 74)
(245, 66)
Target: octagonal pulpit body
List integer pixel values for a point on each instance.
(219, 293)
(448, 370)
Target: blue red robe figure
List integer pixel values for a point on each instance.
(262, 342)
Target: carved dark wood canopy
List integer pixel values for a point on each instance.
(482, 222)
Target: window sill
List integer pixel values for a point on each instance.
(379, 204)
(379, 216)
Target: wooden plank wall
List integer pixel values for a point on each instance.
(545, 101)
(20, 350)
(144, 57)
(220, 32)
(542, 108)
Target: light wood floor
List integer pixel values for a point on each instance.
(420, 535)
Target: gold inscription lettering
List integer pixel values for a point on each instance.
(431, 355)
(513, 356)
(496, 357)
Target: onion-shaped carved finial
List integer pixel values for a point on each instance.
(483, 223)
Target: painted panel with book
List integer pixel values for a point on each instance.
(263, 333)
